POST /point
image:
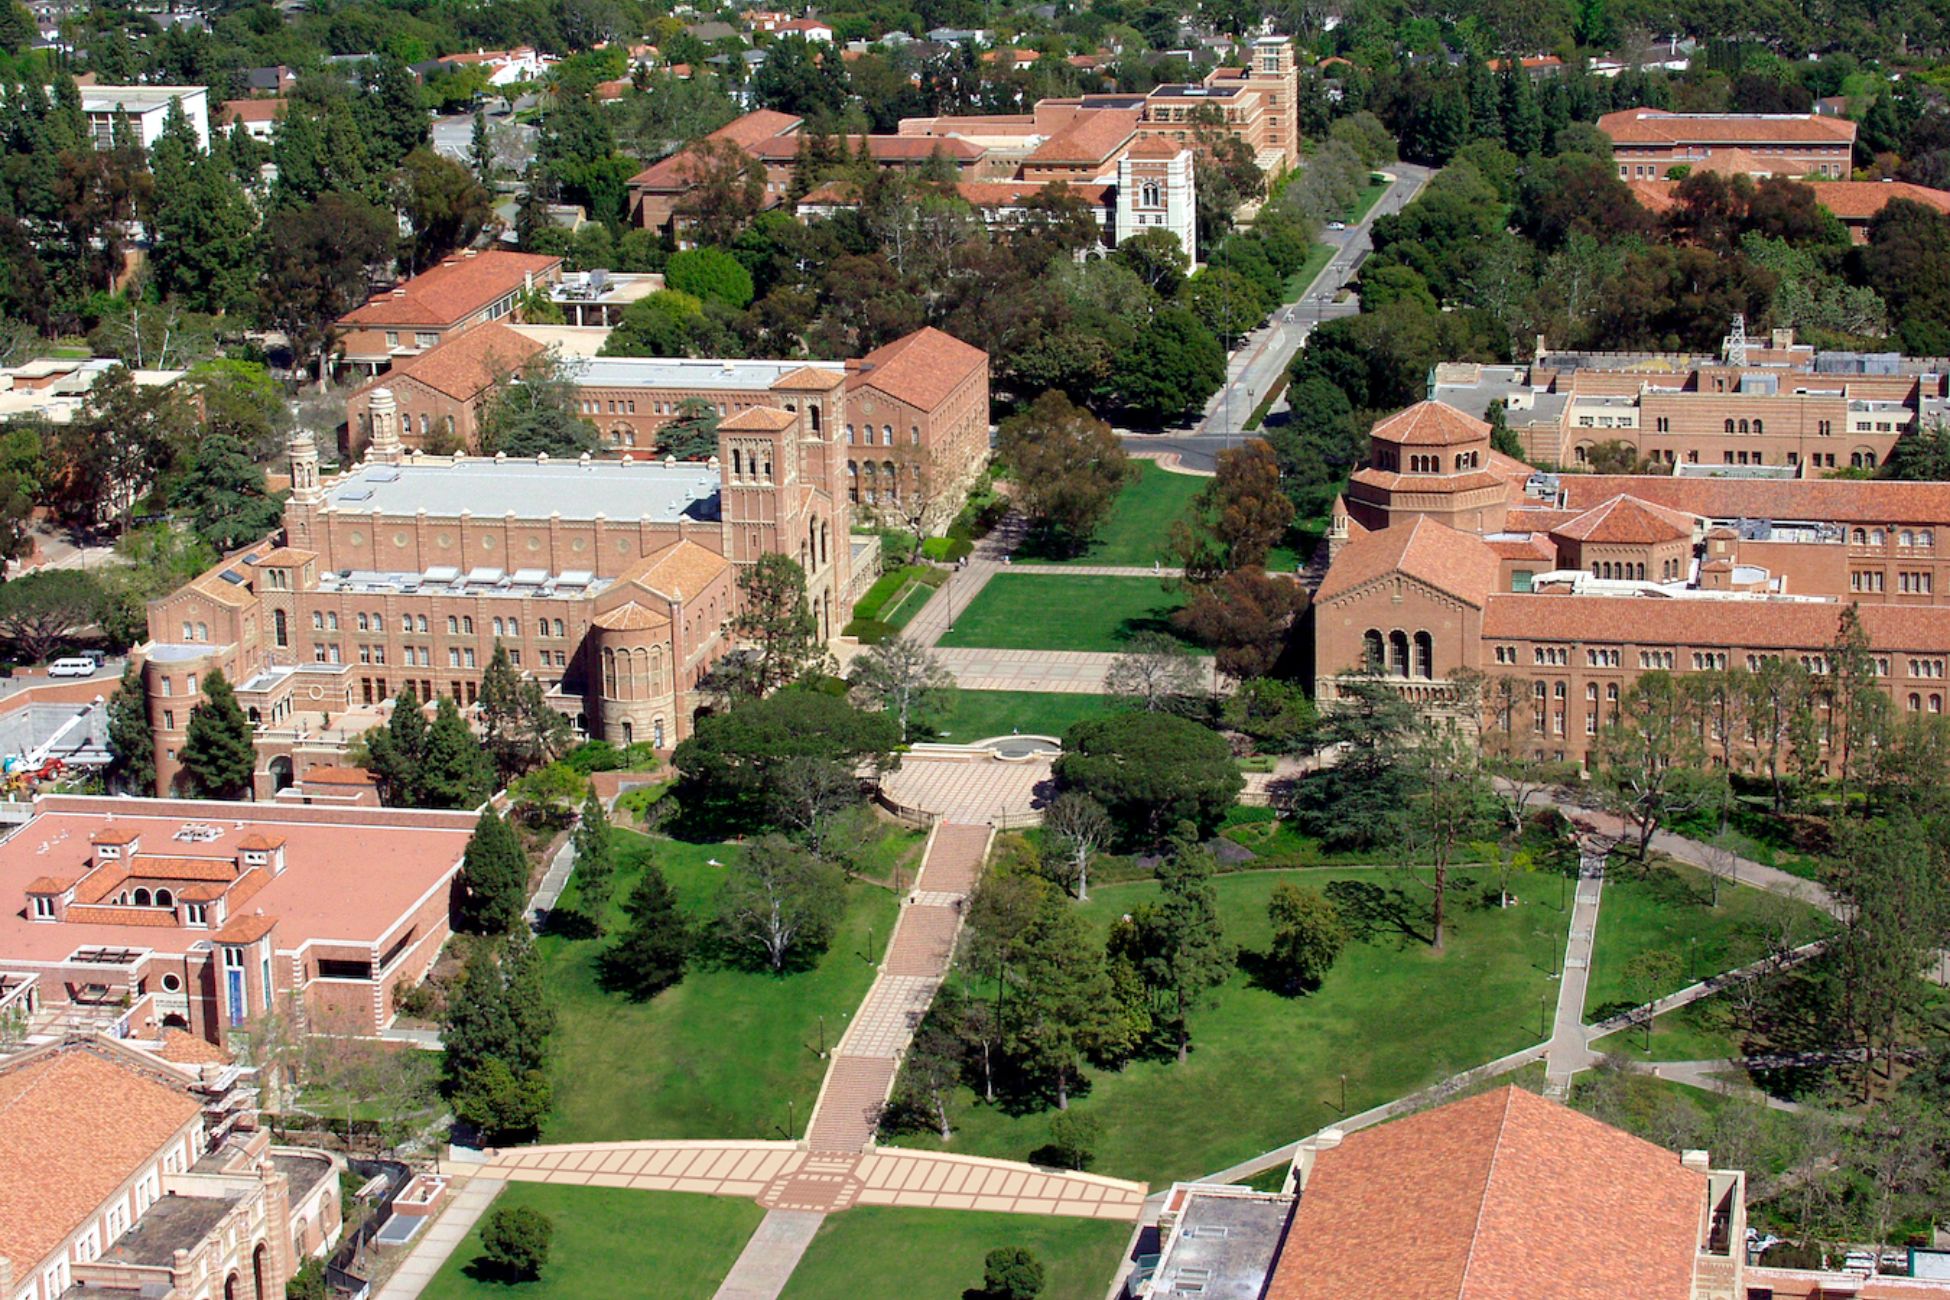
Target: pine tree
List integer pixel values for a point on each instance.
(480, 150)
(1523, 120)
(1194, 955)
(495, 1035)
(217, 755)
(501, 714)
(477, 1026)
(130, 740)
(529, 1009)
(456, 772)
(396, 753)
(595, 869)
(1063, 1011)
(649, 956)
(494, 878)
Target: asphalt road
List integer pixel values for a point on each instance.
(1265, 354)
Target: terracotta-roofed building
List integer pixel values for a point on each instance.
(204, 922)
(1854, 203)
(917, 425)
(260, 117)
(1649, 142)
(1086, 148)
(1496, 1182)
(658, 190)
(416, 315)
(438, 393)
(125, 1173)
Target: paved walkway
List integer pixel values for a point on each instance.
(964, 787)
(554, 880)
(1569, 1050)
(1069, 671)
(783, 1175)
(442, 1238)
(847, 1114)
(766, 1263)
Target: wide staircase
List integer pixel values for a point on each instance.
(866, 1060)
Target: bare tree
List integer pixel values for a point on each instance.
(1722, 863)
(1156, 672)
(902, 677)
(1078, 828)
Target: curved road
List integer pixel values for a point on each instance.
(1266, 353)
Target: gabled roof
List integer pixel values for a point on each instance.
(1457, 563)
(75, 1124)
(760, 419)
(747, 132)
(1089, 138)
(630, 617)
(466, 364)
(1502, 1196)
(1809, 625)
(1657, 126)
(1627, 521)
(1827, 500)
(454, 290)
(1430, 424)
(920, 369)
(680, 571)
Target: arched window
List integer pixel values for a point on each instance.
(280, 628)
(1581, 453)
(140, 898)
(1371, 650)
(1915, 702)
(1398, 653)
(886, 435)
(1861, 537)
(1148, 194)
(1875, 537)
(165, 899)
(1759, 426)
(1424, 655)
(1743, 426)
(849, 433)
(1729, 426)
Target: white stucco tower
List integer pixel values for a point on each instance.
(1155, 192)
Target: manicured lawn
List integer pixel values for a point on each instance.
(606, 1236)
(1700, 1031)
(1266, 1068)
(1139, 527)
(719, 1054)
(1028, 611)
(896, 597)
(1369, 197)
(875, 1253)
(1318, 256)
(1668, 907)
(978, 715)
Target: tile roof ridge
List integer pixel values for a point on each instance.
(1483, 1199)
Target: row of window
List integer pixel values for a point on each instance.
(886, 435)
(457, 625)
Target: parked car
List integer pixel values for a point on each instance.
(1337, 225)
(79, 666)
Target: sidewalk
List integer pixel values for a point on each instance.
(766, 1263)
(1569, 1051)
(441, 1239)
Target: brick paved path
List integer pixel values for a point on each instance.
(867, 1058)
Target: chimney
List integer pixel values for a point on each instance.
(1695, 1160)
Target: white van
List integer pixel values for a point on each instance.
(77, 667)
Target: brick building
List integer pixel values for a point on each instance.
(610, 581)
(1453, 559)
(1648, 142)
(1758, 403)
(922, 401)
(127, 1178)
(140, 916)
(418, 314)
(1854, 203)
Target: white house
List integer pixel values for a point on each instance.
(146, 108)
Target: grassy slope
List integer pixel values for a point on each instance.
(978, 715)
(605, 1235)
(883, 1254)
(1025, 611)
(1669, 908)
(719, 1054)
(1140, 522)
(1266, 1069)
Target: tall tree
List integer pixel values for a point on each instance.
(1076, 829)
(1157, 672)
(775, 621)
(457, 772)
(1308, 935)
(223, 491)
(1650, 758)
(493, 890)
(1890, 876)
(649, 956)
(595, 860)
(217, 755)
(1151, 771)
(1244, 616)
(443, 202)
(396, 753)
(1069, 468)
(1174, 366)
(903, 677)
(318, 261)
(1189, 955)
(131, 743)
(1060, 1015)
(1858, 707)
(780, 903)
(534, 412)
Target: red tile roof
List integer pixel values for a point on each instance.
(881, 148)
(747, 132)
(454, 290)
(1090, 138)
(1459, 564)
(1503, 1196)
(247, 929)
(466, 364)
(1627, 521)
(187, 1049)
(1862, 200)
(1430, 424)
(339, 776)
(248, 110)
(75, 1125)
(920, 369)
(1657, 126)
(1158, 147)
(261, 841)
(1719, 623)
(1831, 500)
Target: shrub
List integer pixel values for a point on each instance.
(947, 550)
(1012, 1273)
(515, 1241)
(1074, 1136)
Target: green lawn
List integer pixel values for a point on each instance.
(1266, 1069)
(719, 1054)
(607, 1235)
(1668, 907)
(1369, 197)
(875, 1253)
(1140, 521)
(1700, 1031)
(978, 715)
(1027, 611)
(1318, 256)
